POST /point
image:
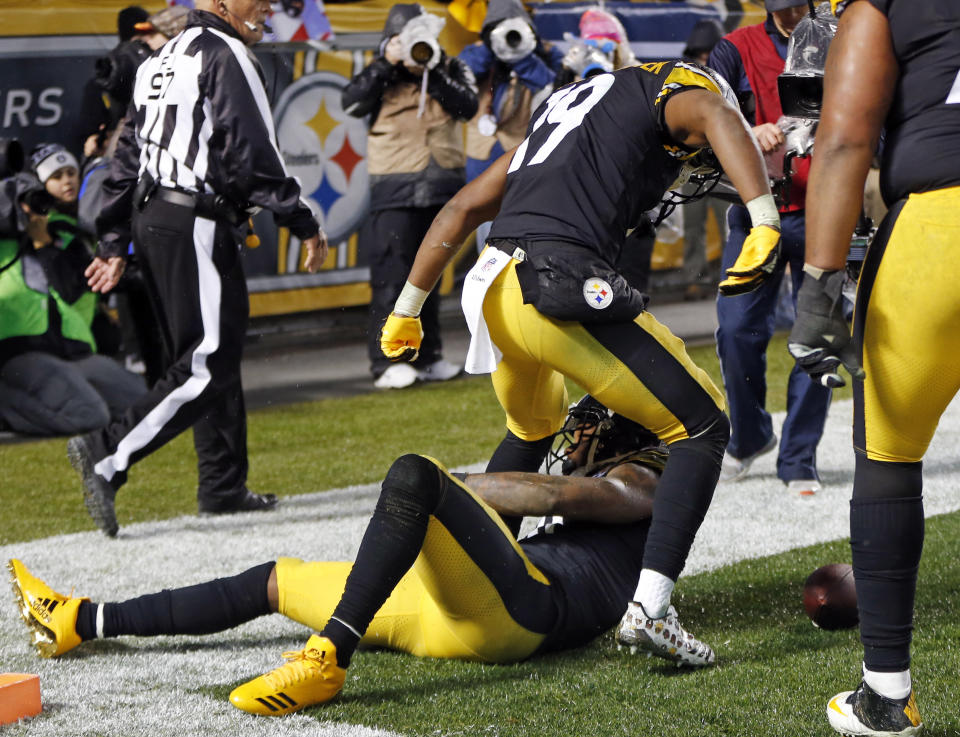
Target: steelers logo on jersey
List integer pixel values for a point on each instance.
(597, 293)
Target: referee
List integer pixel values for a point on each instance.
(197, 155)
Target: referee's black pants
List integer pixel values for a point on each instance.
(194, 276)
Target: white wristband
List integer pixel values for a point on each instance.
(411, 300)
(763, 211)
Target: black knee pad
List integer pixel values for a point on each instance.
(416, 479)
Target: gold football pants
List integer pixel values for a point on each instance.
(638, 369)
(455, 601)
(907, 313)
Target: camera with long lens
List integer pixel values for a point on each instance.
(419, 41)
(17, 187)
(512, 40)
(11, 163)
(800, 87)
(585, 58)
(116, 72)
(11, 157)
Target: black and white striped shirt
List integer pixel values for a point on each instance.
(200, 121)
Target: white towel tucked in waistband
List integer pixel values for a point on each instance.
(482, 356)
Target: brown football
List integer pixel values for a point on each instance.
(830, 597)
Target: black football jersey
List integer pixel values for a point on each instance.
(922, 146)
(593, 569)
(596, 157)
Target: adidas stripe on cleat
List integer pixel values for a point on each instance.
(51, 616)
(310, 676)
(865, 712)
(664, 637)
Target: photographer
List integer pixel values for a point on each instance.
(415, 95)
(96, 104)
(52, 382)
(57, 170)
(515, 73)
(601, 47)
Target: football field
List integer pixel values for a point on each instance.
(741, 593)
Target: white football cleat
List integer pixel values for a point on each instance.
(664, 637)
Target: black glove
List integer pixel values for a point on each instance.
(820, 340)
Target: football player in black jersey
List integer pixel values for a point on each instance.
(893, 66)
(438, 574)
(544, 302)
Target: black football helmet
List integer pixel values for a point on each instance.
(702, 169)
(593, 436)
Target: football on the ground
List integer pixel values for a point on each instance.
(830, 597)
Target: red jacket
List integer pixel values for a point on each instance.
(763, 64)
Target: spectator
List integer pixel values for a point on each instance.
(56, 168)
(750, 59)
(140, 335)
(187, 206)
(160, 27)
(515, 72)
(95, 107)
(52, 382)
(601, 47)
(416, 163)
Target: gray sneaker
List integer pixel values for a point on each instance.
(664, 637)
(734, 469)
(439, 371)
(98, 495)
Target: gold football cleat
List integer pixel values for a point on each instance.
(51, 616)
(310, 676)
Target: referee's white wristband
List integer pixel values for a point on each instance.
(411, 300)
(763, 211)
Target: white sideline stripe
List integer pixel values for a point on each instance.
(121, 687)
(210, 290)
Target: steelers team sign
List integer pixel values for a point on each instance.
(326, 150)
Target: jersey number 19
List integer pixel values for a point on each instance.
(566, 108)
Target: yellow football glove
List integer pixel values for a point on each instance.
(757, 260)
(400, 337)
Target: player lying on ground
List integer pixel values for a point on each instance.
(438, 574)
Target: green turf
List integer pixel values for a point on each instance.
(775, 671)
(294, 449)
(774, 676)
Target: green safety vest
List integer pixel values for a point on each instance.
(26, 298)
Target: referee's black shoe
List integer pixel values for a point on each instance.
(245, 501)
(98, 495)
